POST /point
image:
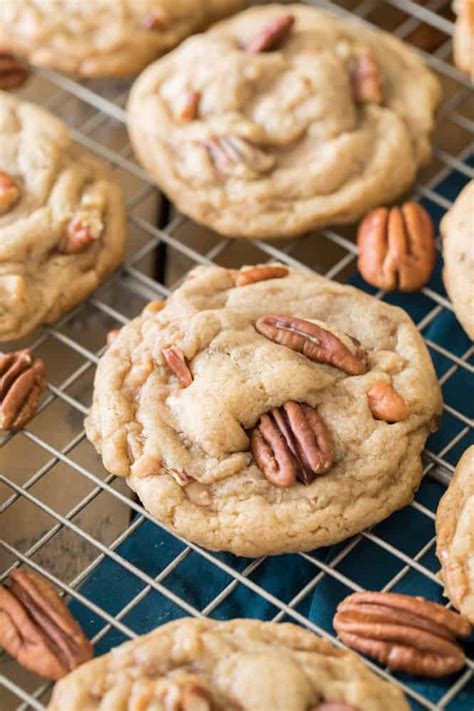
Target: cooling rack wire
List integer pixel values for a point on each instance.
(50, 477)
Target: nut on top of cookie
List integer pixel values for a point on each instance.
(284, 118)
(267, 409)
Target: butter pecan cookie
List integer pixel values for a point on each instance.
(199, 665)
(282, 119)
(463, 39)
(106, 37)
(455, 536)
(457, 229)
(62, 219)
(266, 410)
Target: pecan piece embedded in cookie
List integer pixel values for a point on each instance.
(333, 706)
(12, 73)
(9, 192)
(406, 633)
(233, 155)
(38, 629)
(292, 442)
(22, 380)
(189, 106)
(271, 35)
(84, 228)
(176, 362)
(386, 404)
(259, 273)
(365, 78)
(313, 341)
(397, 248)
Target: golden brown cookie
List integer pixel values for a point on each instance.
(455, 536)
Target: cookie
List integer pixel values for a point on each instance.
(114, 38)
(62, 219)
(463, 38)
(251, 414)
(455, 536)
(457, 229)
(282, 119)
(241, 664)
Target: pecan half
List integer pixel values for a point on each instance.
(397, 248)
(313, 341)
(189, 107)
(176, 362)
(405, 633)
(22, 380)
(12, 73)
(231, 155)
(365, 78)
(260, 273)
(83, 228)
(386, 404)
(9, 192)
(271, 35)
(292, 442)
(37, 629)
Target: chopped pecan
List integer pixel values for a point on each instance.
(37, 628)
(12, 73)
(397, 248)
(155, 21)
(188, 110)
(365, 78)
(84, 228)
(9, 192)
(292, 442)
(22, 380)
(154, 307)
(176, 362)
(271, 35)
(259, 273)
(313, 341)
(386, 404)
(406, 633)
(230, 154)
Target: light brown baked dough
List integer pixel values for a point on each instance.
(186, 451)
(455, 536)
(300, 150)
(241, 665)
(463, 39)
(57, 181)
(98, 38)
(457, 229)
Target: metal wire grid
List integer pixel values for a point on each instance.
(124, 294)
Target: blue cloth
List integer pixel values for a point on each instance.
(198, 581)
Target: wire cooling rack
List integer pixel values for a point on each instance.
(122, 579)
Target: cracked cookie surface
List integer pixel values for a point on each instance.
(457, 229)
(455, 536)
(62, 219)
(185, 445)
(329, 120)
(111, 38)
(241, 664)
